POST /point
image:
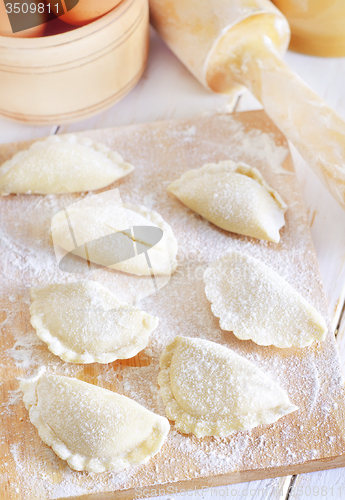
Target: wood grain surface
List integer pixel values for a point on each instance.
(311, 439)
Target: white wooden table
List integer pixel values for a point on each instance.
(167, 90)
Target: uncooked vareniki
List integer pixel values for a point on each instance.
(84, 322)
(94, 429)
(233, 196)
(209, 390)
(90, 225)
(62, 164)
(255, 303)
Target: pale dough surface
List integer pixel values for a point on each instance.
(92, 223)
(255, 303)
(94, 429)
(234, 197)
(84, 322)
(62, 164)
(209, 390)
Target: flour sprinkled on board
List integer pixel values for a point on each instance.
(161, 153)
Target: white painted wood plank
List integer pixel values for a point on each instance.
(329, 485)
(13, 132)
(269, 489)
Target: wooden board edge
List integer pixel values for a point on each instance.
(206, 483)
(24, 144)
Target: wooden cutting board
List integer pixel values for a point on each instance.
(311, 439)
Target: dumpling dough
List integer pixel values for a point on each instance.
(84, 322)
(62, 164)
(94, 429)
(91, 223)
(209, 390)
(235, 197)
(255, 303)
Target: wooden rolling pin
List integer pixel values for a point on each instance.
(241, 42)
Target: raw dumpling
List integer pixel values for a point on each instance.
(94, 429)
(235, 197)
(84, 234)
(84, 322)
(255, 303)
(209, 390)
(62, 164)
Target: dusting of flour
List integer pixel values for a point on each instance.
(311, 376)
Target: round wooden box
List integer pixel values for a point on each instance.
(70, 76)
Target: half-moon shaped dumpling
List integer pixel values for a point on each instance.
(209, 390)
(255, 303)
(62, 164)
(233, 196)
(84, 322)
(94, 429)
(89, 232)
